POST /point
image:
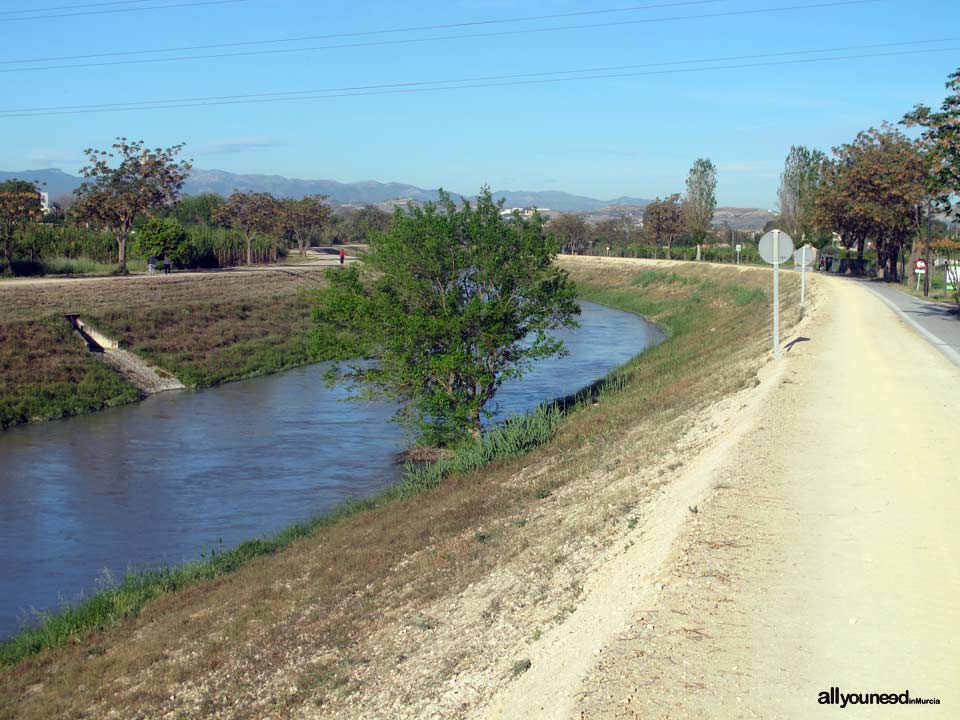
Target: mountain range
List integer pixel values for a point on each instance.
(56, 182)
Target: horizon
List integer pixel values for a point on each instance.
(606, 135)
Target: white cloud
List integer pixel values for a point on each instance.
(233, 146)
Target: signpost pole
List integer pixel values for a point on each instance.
(803, 279)
(776, 294)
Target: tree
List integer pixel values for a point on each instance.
(872, 191)
(799, 183)
(144, 180)
(663, 221)
(701, 199)
(165, 237)
(941, 136)
(304, 219)
(451, 301)
(573, 233)
(251, 213)
(20, 205)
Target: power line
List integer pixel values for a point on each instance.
(470, 83)
(194, 3)
(71, 7)
(499, 33)
(421, 28)
(317, 91)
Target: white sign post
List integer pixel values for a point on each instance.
(920, 268)
(739, 248)
(776, 247)
(804, 258)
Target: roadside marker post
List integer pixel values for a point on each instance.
(804, 258)
(776, 247)
(739, 248)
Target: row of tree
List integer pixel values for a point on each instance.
(666, 221)
(135, 189)
(883, 188)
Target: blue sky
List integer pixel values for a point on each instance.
(602, 137)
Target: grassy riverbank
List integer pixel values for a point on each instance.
(348, 606)
(204, 329)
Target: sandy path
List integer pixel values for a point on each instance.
(831, 559)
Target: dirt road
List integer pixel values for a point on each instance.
(824, 550)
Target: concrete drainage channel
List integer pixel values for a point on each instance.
(148, 379)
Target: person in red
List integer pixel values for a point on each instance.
(343, 255)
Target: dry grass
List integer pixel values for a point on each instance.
(359, 609)
(204, 329)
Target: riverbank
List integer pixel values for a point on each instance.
(202, 328)
(411, 604)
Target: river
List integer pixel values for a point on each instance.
(161, 481)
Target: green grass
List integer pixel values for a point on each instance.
(46, 373)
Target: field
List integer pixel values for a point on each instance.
(399, 605)
(203, 328)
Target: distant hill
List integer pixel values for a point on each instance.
(742, 218)
(56, 182)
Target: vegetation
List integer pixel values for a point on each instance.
(452, 301)
(663, 221)
(799, 185)
(113, 197)
(701, 199)
(203, 330)
(19, 206)
(252, 214)
(303, 220)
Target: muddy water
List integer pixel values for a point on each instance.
(161, 481)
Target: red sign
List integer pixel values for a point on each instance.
(921, 264)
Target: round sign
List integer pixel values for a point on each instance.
(803, 256)
(921, 264)
(783, 243)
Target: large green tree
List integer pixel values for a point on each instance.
(19, 206)
(126, 182)
(451, 301)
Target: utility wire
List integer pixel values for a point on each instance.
(421, 28)
(499, 33)
(377, 86)
(72, 7)
(460, 84)
(195, 3)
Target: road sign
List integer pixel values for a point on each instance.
(920, 266)
(803, 257)
(775, 247)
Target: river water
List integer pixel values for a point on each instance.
(162, 480)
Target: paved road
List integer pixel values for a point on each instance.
(939, 324)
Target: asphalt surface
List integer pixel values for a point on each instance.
(939, 324)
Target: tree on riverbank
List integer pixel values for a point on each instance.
(451, 301)
(663, 221)
(111, 198)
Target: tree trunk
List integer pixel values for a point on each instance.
(892, 255)
(860, 244)
(249, 239)
(122, 252)
(669, 249)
